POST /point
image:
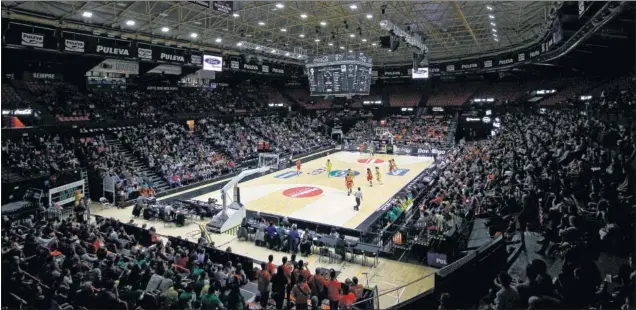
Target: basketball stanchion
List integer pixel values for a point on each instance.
(205, 232)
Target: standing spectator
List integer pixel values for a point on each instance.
(279, 287)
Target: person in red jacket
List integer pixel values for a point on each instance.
(333, 290)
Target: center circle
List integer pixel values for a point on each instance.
(302, 192)
(370, 161)
(342, 173)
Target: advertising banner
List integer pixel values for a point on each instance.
(32, 39)
(400, 150)
(111, 47)
(212, 63)
(222, 6)
(144, 53)
(437, 260)
(196, 59)
(168, 54)
(74, 46)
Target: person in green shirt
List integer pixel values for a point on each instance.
(210, 301)
(186, 298)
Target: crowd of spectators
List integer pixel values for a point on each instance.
(237, 140)
(32, 156)
(99, 157)
(63, 99)
(11, 99)
(563, 174)
(178, 155)
(291, 135)
(432, 130)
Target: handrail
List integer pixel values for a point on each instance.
(395, 289)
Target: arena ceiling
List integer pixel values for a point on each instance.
(453, 29)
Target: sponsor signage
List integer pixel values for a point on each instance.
(117, 66)
(265, 68)
(437, 260)
(46, 76)
(144, 53)
(196, 60)
(250, 67)
(222, 6)
(234, 64)
(405, 150)
(488, 64)
(112, 51)
(171, 57)
(73, 46)
(212, 63)
(32, 39)
(278, 70)
(469, 66)
(521, 57)
(450, 68)
(164, 88)
(506, 61)
(420, 73)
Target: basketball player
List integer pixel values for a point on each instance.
(361, 148)
(350, 173)
(391, 165)
(370, 177)
(378, 175)
(371, 149)
(328, 166)
(298, 167)
(349, 184)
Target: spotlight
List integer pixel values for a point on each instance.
(283, 30)
(352, 35)
(493, 24)
(491, 16)
(303, 15)
(369, 16)
(87, 14)
(323, 23)
(261, 23)
(342, 47)
(130, 23)
(353, 6)
(280, 5)
(317, 40)
(364, 40)
(235, 15)
(489, 7)
(301, 35)
(193, 35)
(218, 40)
(330, 44)
(165, 29)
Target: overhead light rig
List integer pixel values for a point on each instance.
(413, 40)
(297, 54)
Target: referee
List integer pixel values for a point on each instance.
(358, 196)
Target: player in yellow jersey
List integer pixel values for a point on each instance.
(350, 173)
(371, 150)
(328, 166)
(378, 175)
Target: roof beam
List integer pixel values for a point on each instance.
(465, 22)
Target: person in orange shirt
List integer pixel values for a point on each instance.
(298, 166)
(361, 148)
(270, 265)
(333, 290)
(318, 285)
(356, 288)
(347, 299)
(301, 293)
(264, 277)
(370, 177)
(349, 184)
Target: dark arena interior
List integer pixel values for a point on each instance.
(318, 155)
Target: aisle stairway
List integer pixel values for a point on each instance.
(160, 184)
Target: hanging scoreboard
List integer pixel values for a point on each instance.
(339, 74)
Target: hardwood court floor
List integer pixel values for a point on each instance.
(316, 196)
(389, 275)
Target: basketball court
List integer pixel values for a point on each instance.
(317, 196)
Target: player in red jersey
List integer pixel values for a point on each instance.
(349, 184)
(298, 166)
(370, 177)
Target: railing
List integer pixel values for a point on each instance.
(383, 299)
